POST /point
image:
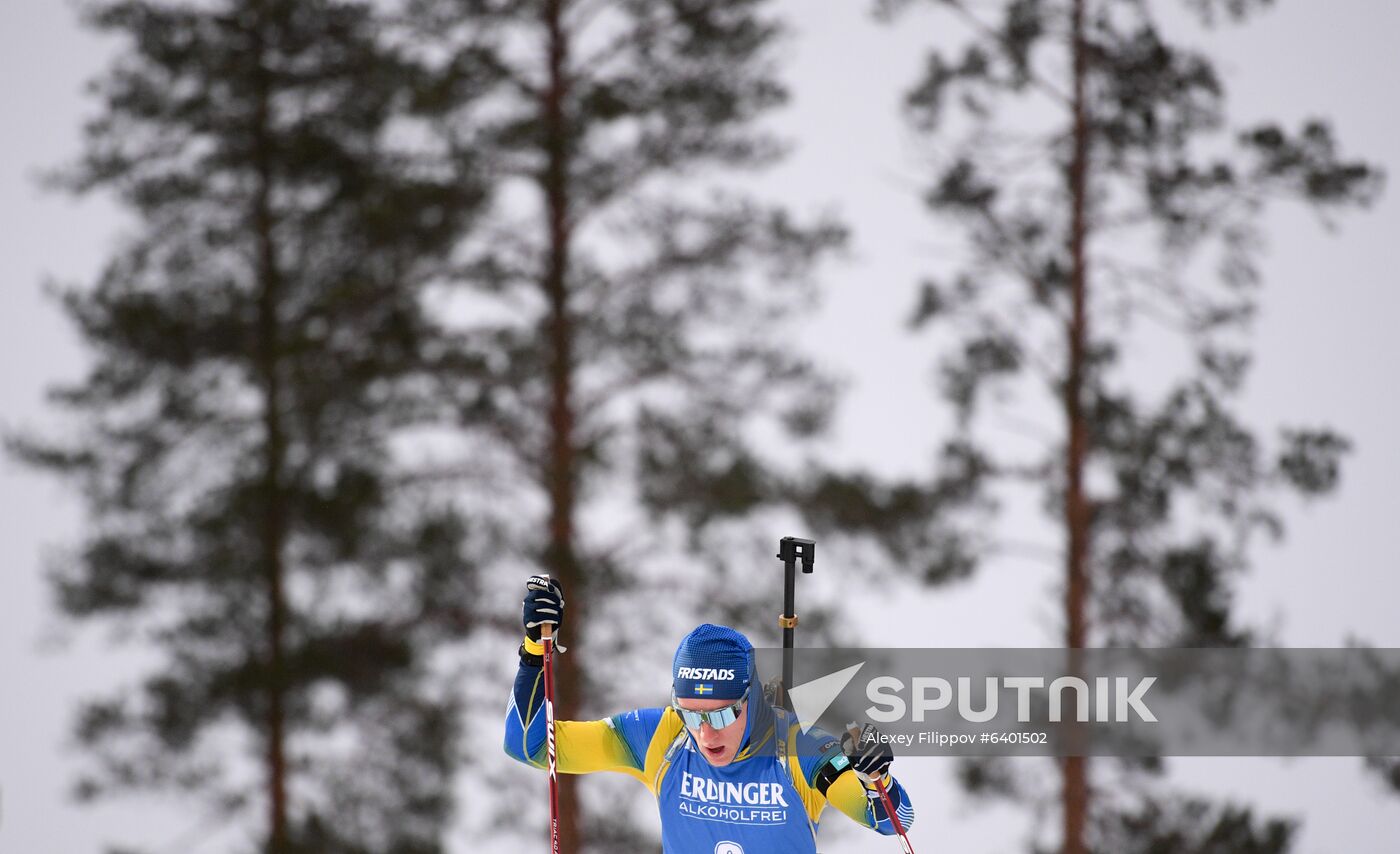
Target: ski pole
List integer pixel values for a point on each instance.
(856, 734)
(547, 639)
(789, 549)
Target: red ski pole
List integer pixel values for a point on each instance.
(894, 817)
(547, 639)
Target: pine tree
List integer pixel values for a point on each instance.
(1088, 161)
(259, 346)
(627, 319)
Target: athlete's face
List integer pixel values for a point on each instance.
(718, 746)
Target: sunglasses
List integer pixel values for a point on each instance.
(716, 718)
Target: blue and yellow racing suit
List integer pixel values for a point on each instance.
(768, 800)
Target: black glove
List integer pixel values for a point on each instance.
(544, 603)
(871, 757)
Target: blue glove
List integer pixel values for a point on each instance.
(544, 603)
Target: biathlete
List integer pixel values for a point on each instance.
(731, 773)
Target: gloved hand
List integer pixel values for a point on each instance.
(544, 603)
(870, 757)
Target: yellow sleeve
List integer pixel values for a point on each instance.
(587, 746)
(812, 799)
(847, 794)
(634, 744)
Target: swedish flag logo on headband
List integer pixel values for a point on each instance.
(704, 689)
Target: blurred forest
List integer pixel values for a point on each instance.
(423, 296)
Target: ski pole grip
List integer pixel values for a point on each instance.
(546, 629)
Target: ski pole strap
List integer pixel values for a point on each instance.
(530, 659)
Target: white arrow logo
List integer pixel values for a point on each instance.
(810, 700)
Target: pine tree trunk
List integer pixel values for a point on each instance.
(1077, 517)
(560, 553)
(273, 533)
